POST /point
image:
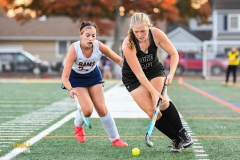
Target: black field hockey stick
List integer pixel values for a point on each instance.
(154, 118)
(86, 120)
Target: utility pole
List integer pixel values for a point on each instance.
(117, 33)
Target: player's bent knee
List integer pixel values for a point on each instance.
(164, 106)
(102, 113)
(88, 114)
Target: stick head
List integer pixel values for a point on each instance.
(147, 141)
(87, 122)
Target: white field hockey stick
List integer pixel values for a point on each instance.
(86, 120)
(154, 118)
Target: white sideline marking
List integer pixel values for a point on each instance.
(197, 146)
(38, 137)
(24, 123)
(19, 129)
(19, 124)
(119, 103)
(202, 151)
(202, 155)
(6, 131)
(197, 143)
(4, 139)
(11, 136)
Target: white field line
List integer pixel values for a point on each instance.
(34, 116)
(29, 123)
(6, 131)
(44, 133)
(11, 136)
(19, 129)
(26, 123)
(20, 106)
(10, 139)
(119, 108)
(196, 145)
(38, 137)
(35, 120)
(35, 139)
(21, 126)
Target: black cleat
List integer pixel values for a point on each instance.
(187, 141)
(177, 146)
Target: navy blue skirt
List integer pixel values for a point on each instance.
(85, 80)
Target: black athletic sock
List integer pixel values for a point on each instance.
(166, 128)
(172, 116)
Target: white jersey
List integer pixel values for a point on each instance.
(85, 65)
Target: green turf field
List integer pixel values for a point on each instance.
(214, 124)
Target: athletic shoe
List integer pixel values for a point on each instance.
(186, 138)
(177, 146)
(119, 143)
(79, 134)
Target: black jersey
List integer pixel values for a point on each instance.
(149, 62)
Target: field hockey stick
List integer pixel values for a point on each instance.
(154, 118)
(86, 120)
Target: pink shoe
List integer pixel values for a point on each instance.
(119, 143)
(79, 134)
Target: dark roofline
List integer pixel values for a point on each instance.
(202, 35)
(226, 4)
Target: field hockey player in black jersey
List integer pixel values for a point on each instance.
(143, 76)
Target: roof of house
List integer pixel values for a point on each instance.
(184, 33)
(201, 35)
(55, 28)
(226, 4)
(51, 28)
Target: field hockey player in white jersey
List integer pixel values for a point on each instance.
(81, 76)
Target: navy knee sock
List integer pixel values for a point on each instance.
(172, 116)
(166, 128)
